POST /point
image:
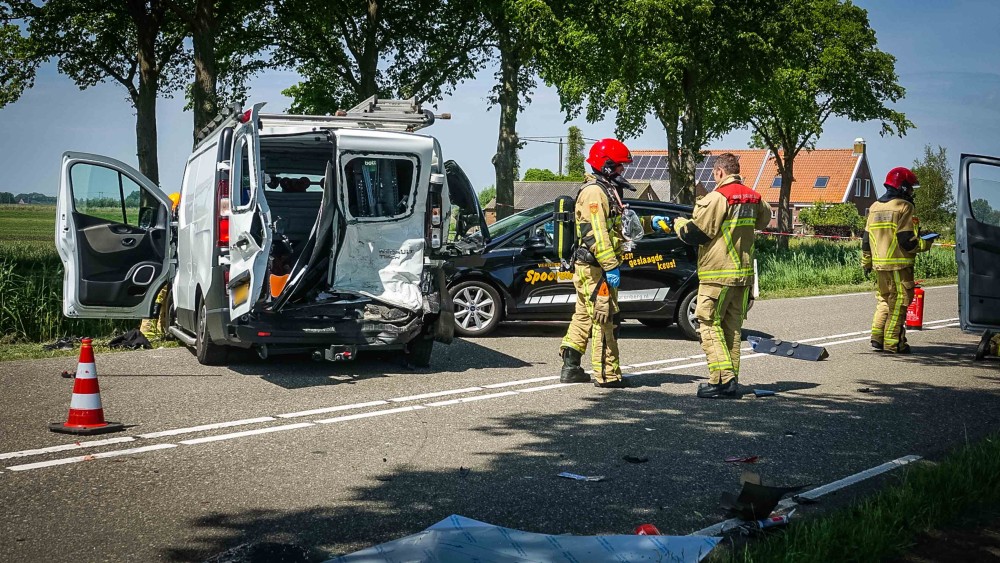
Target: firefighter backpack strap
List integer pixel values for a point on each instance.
(564, 215)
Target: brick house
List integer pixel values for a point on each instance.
(826, 175)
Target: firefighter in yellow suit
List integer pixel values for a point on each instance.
(889, 246)
(596, 275)
(722, 226)
(156, 328)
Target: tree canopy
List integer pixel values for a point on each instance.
(827, 64)
(934, 199)
(349, 51)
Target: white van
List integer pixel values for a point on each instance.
(322, 234)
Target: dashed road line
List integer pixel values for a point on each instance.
(337, 408)
(65, 447)
(91, 457)
(268, 430)
(204, 427)
(369, 414)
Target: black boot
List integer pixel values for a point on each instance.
(612, 384)
(721, 390)
(571, 370)
(877, 346)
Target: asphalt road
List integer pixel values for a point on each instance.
(482, 434)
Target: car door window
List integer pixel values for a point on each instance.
(984, 194)
(107, 194)
(647, 215)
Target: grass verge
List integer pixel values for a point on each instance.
(964, 488)
(868, 286)
(34, 351)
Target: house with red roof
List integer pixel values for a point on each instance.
(820, 175)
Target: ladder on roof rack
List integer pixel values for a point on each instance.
(373, 113)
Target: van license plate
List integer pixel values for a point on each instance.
(241, 293)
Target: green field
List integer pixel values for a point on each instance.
(31, 280)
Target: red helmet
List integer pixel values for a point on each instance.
(900, 177)
(608, 152)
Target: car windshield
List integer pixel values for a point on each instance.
(510, 224)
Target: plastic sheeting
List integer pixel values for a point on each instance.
(458, 539)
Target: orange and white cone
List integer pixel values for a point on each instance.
(86, 414)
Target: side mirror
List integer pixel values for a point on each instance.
(535, 244)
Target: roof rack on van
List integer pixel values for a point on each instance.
(373, 113)
(228, 113)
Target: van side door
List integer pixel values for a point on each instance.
(249, 220)
(113, 236)
(977, 227)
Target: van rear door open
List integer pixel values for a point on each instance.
(113, 236)
(250, 218)
(978, 243)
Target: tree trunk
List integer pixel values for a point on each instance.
(204, 95)
(147, 29)
(505, 158)
(668, 118)
(784, 198)
(368, 61)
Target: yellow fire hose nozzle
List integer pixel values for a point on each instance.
(663, 226)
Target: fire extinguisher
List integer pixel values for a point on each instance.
(915, 312)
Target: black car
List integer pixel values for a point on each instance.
(517, 277)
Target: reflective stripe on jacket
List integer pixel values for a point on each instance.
(596, 229)
(722, 226)
(889, 241)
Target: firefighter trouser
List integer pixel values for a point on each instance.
(604, 345)
(720, 312)
(895, 292)
(153, 328)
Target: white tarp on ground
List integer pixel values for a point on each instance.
(379, 261)
(457, 539)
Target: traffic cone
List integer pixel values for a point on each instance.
(86, 415)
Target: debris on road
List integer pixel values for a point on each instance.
(66, 374)
(778, 347)
(763, 393)
(569, 475)
(64, 343)
(647, 530)
(635, 459)
(758, 526)
(864, 390)
(458, 539)
(742, 459)
(791, 433)
(755, 501)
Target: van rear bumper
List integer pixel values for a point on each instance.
(363, 334)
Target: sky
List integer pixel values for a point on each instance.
(946, 55)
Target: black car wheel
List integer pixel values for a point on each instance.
(686, 319)
(209, 353)
(478, 308)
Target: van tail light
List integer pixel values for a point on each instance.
(222, 208)
(223, 229)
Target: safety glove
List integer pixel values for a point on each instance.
(602, 304)
(614, 277)
(661, 224)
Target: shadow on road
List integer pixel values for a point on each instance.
(296, 371)
(800, 438)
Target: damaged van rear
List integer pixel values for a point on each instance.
(319, 234)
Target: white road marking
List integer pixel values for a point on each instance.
(546, 387)
(203, 427)
(470, 399)
(520, 382)
(102, 455)
(325, 410)
(64, 447)
(435, 394)
(369, 414)
(942, 326)
(246, 433)
(813, 494)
